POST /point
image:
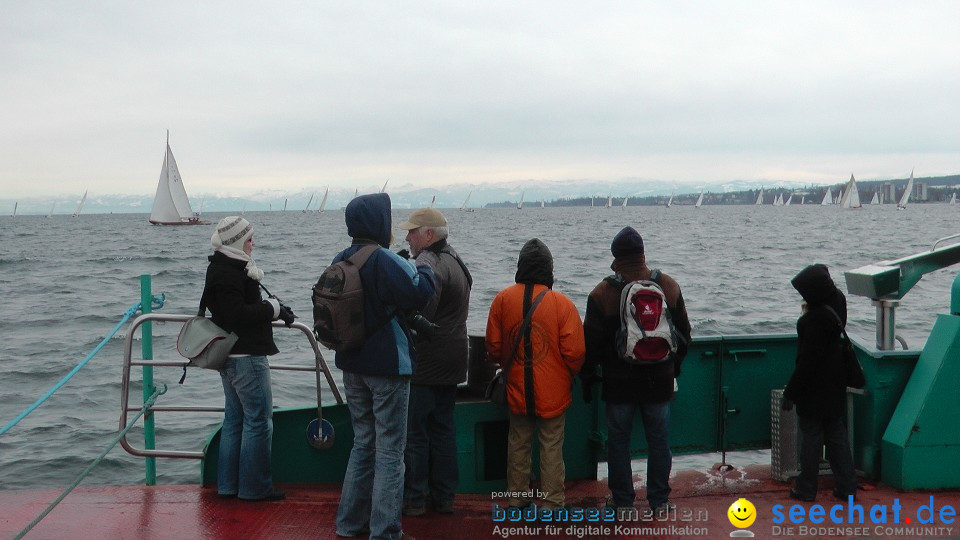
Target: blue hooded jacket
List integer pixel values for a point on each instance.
(391, 285)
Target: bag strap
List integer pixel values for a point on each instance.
(359, 258)
(839, 322)
(523, 329)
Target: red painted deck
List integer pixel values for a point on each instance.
(188, 511)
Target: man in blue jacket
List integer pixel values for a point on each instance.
(376, 377)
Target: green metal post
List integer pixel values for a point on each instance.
(955, 296)
(146, 348)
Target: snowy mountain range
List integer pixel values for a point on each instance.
(402, 196)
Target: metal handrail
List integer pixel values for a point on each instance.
(128, 362)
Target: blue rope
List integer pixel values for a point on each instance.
(149, 403)
(156, 303)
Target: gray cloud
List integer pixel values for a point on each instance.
(301, 93)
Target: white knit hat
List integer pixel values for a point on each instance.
(232, 232)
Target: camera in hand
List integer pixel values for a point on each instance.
(421, 326)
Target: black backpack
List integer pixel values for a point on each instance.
(338, 318)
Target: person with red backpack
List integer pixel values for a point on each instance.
(637, 333)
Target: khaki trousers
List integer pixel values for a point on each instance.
(520, 458)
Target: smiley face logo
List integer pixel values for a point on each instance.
(742, 513)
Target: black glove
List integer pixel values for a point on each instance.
(286, 314)
(423, 327)
(404, 253)
(787, 405)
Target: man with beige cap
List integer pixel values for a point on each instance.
(431, 453)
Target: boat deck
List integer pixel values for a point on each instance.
(702, 498)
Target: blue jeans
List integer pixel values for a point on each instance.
(378, 412)
(243, 468)
(656, 424)
(431, 455)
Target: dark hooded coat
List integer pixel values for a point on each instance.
(391, 285)
(818, 384)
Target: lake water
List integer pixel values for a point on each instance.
(65, 283)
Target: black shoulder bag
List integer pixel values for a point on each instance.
(497, 388)
(851, 364)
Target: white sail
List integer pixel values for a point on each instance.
(953, 198)
(591, 202)
(609, 201)
(851, 195)
(876, 198)
(323, 201)
(906, 193)
(309, 202)
(789, 200)
(51, 209)
(433, 201)
(15, 204)
(542, 203)
(670, 201)
(285, 205)
(465, 201)
(760, 197)
(171, 206)
(384, 188)
(520, 203)
(80, 206)
(699, 200)
(827, 198)
(803, 199)
(625, 199)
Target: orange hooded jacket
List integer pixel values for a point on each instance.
(556, 339)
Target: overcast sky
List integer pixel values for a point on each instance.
(291, 95)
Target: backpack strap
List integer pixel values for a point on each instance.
(522, 330)
(359, 258)
(839, 322)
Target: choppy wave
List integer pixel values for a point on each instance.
(64, 286)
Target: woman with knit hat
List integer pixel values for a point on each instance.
(232, 294)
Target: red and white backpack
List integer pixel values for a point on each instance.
(646, 334)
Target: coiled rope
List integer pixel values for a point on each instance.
(147, 404)
(155, 303)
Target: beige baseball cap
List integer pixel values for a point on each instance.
(424, 217)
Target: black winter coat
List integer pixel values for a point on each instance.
(818, 384)
(235, 304)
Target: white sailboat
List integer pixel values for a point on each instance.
(465, 201)
(542, 203)
(699, 202)
(384, 188)
(851, 195)
(82, 200)
(827, 198)
(15, 204)
(51, 209)
(171, 206)
(760, 197)
(323, 201)
(789, 200)
(876, 198)
(433, 201)
(803, 199)
(906, 194)
(520, 203)
(309, 202)
(609, 201)
(670, 201)
(953, 198)
(285, 205)
(625, 199)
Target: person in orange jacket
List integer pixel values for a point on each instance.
(545, 358)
